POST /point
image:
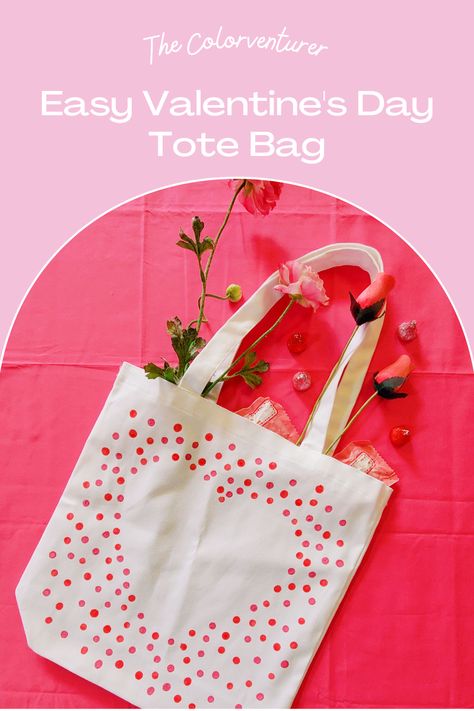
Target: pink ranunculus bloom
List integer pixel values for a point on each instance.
(388, 381)
(259, 197)
(370, 302)
(302, 284)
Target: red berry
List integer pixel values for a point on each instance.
(399, 435)
(296, 343)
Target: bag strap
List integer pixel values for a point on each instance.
(339, 399)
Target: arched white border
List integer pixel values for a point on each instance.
(202, 180)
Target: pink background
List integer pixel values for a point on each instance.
(403, 634)
(60, 174)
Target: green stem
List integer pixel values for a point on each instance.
(204, 274)
(216, 296)
(354, 417)
(280, 318)
(325, 387)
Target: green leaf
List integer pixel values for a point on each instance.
(261, 367)
(152, 371)
(251, 379)
(174, 327)
(250, 357)
(186, 245)
(206, 244)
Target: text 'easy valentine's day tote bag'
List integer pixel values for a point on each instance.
(196, 558)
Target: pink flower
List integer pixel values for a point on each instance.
(388, 381)
(302, 284)
(259, 197)
(370, 302)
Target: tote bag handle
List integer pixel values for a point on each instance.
(339, 399)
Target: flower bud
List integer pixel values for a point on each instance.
(234, 293)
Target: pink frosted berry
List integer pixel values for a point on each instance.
(407, 331)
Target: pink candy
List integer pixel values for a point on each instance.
(407, 331)
(301, 380)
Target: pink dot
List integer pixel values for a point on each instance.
(257, 660)
(150, 691)
(311, 601)
(292, 482)
(166, 686)
(151, 422)
(259, 474)
(319, 546)
(286, 603)
(115, 435)
(215, 674)
(64, 634)
(339, 563)
(260, 697)
(285, 628)
(342, 522)
(210, 699)
(46, 592)
(98, 663)
(325, 560)
(200, 673)
(272, 465)
(323, 582)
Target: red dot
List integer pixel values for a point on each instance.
(298, 502)
(67, 582)
(326, 534)
(284, 664)
(313, 502)
(323, 583)
(236, 620)
(175, 457)
(319, 489)
(247, 482)
(236, 660)
(59, 606)
(301, 620)
(105, 451)
(178, 427)
(132, 433)
(48, 620)
(201, 461)
(260, 697)
(221, 650)
(138, 675)
(241, 462)
(209, 437)
(283, 494)
(272, 622)
(133, 413)
(187, 681)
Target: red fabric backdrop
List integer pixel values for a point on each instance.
(403, 634)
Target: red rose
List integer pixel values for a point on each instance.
(388, 381)
(370, 302)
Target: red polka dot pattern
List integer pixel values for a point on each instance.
(91, 587)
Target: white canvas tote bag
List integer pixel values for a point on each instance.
(196, 559)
